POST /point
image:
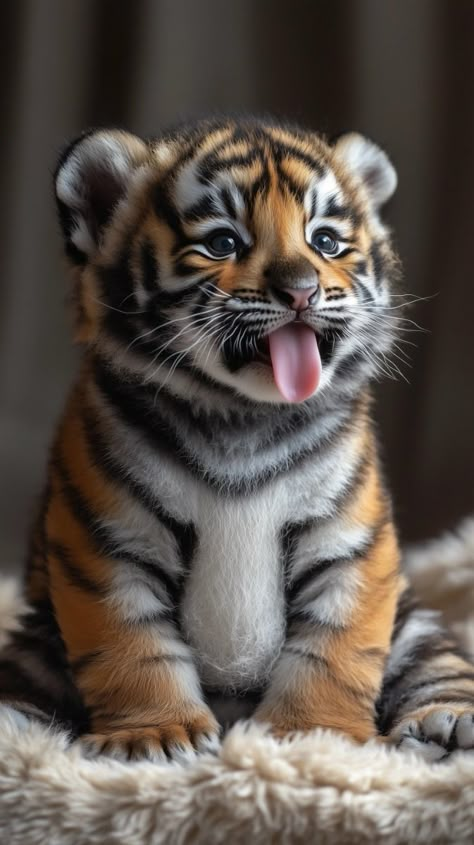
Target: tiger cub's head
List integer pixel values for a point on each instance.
(242, 253)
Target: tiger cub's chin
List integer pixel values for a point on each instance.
(214, 526)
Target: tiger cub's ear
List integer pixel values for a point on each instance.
(370, 164)
(90, 179)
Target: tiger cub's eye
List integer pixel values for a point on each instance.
(325, 241)
(222, 243)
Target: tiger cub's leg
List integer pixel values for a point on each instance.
(341, 614)
(135, 673)
(138, 679)
(427, 700)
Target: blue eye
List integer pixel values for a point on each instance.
(325, 241)
(222, 243)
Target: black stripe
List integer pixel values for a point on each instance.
(300, 652)
(292, 532)
(73, 573)
(342, 212)
(150, 274)
(313, 572)
(103, 541)
(452, 679)
(392, 690)
(117, 284)
(347, 251)
(361, 267)
(319, 567)
(134, 411)
(167, 658)
(456, 698)
(228, 203)
(19, 685)
(39, 640)
(407, 604)
(86, 660)
(284, 150)
(362, 289)
(295, 190)
(208, 168)
(181, 269)
(41, 636)
(379, 262)
(165, 210)
(259, 187)
(184, 533)
(362, 694)
(203, 208)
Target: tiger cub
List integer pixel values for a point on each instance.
(216, 539)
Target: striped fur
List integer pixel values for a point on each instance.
(205, 547)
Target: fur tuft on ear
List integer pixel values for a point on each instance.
(370, 164)
(90, 179)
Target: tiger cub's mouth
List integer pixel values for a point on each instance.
(295, 353)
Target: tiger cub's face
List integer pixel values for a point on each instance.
(243, 252)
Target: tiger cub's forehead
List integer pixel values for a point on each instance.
(230, 172)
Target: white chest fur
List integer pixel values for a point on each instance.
(233, 606)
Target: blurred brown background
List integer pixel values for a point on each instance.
(401, 71)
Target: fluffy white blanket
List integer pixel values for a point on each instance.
(319, 787)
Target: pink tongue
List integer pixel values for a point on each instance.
(295, 360)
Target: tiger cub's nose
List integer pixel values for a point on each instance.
(297, 298)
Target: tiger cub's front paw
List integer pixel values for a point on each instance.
(435, 731)
(179, 741)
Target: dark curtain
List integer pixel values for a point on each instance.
(401, 71)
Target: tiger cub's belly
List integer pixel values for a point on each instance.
(233, 605)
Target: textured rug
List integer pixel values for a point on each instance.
(319, 787)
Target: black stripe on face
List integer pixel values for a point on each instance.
(259, 187)
(228, 203)
(286, 181)
(347, 251)
(341, 212)
(379, 262)
(183, 270)
(201, 210)
(282, 150)
(150, 273)
(364, 293)
(211, 165)
(165, 210)
(361, 268)
(117, 284)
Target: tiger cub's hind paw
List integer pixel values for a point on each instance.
(436, 731)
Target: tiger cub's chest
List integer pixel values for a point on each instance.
(232, 611)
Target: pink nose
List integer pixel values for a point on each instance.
(300, 297)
